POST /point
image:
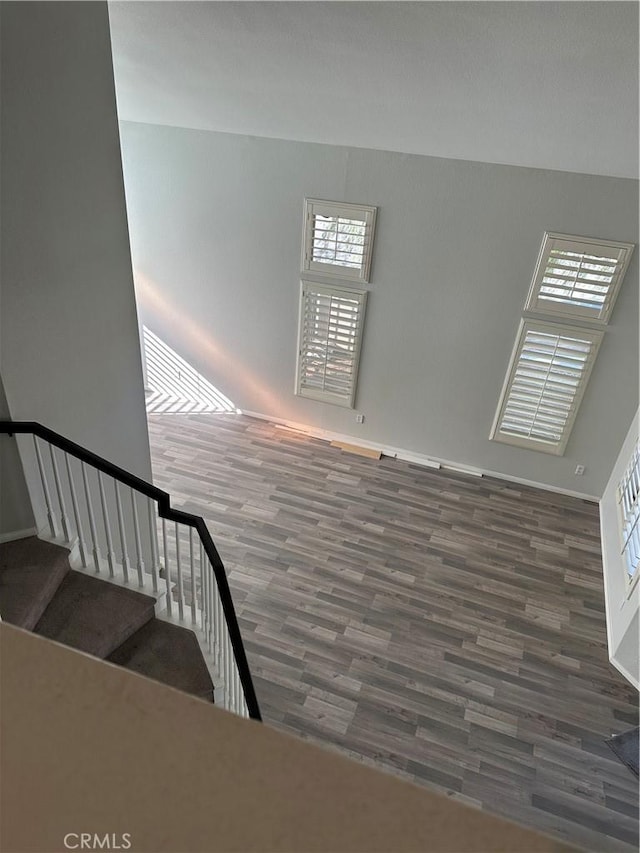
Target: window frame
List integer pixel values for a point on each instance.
(329, 289)
(367, 213)
(561, 330)
(565, 310)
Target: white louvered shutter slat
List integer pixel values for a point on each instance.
(331, 322)
(578, 277)
(545, 383)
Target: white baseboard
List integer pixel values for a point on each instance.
(18, 534)
(520, 481)
(329, 435)
(416, 458)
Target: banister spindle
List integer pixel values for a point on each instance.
(206, 614)
(221, 662)
(167, 570)
(242, 705)
(234, 680)
(232, 665)
(212, 589)
(192, 570)
(45, 489)
(208, 601)
(91, 517)
(179, 574)
(225, 644)
(60, 495)
(237, 693)
(76, 513)
(136, 538)
(107, 524)
(124, 557)
(220, 622)
(153, 537)
(202, 588)
(228, 681)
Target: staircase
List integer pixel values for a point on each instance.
(41, 593)
(116, 572)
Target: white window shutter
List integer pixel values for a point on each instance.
(338, 239)
(629, 505)
(329, 340)
(548, 373)
(578, 277)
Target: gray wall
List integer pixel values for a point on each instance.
(216, 222)
(15, 506)
(70, 351)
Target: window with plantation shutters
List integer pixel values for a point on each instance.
(547, 376)
(629, 504)
(578, 277)
(338, 239)
(330, 335)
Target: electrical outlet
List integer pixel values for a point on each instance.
(360, 419)
(579, 469)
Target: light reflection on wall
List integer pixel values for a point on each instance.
(175, 387)
(155, 304)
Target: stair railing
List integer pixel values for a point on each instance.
(120, 527)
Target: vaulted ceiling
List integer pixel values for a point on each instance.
(544, 84)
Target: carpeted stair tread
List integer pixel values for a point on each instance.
(94, 616)
(30, 573)
(167, 653)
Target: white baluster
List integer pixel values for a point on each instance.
(153, 536)
(222, 669)
(220, 621)
(237, 689)
(59, 493)
(107, 524)
(227, 673)
(124, 557)
(179, 574)
(202, 588)
(167, 571)
(231, 668)
(206, 615)
(193, 577)
(136, 538)
(76, 513)
(234, 696)
(212, 586)
(45, 489)
(215, 616)
(92, 520)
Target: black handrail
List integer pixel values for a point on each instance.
(166, 511)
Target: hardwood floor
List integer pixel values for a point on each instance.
(446, 628)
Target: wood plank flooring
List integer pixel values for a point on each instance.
(445, 628)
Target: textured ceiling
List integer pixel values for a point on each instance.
(550, 85)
